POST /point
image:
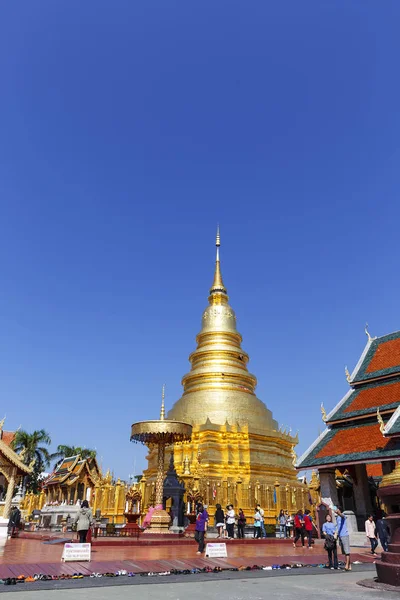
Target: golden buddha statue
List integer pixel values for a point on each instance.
(244, 454)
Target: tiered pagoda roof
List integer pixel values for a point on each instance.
(365, 425)
(71, 470)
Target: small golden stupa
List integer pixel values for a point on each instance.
(237, 452)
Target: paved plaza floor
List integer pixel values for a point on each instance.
(30, 556)
(329, 586)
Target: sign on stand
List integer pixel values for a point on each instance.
(76, 552)
(216, 551)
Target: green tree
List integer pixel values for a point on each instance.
(33, 445)
(64, 451)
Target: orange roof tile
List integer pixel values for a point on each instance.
(386, 356)
(354, 440)
(375, 397)
(8, 437)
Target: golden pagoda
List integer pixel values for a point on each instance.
(237, 452)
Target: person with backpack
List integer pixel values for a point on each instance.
(299, 528)
(329, 531)
(241, 523)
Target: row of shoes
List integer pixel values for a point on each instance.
(123, 572)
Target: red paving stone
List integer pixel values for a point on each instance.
(29, 556)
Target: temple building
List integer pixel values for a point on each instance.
(362, 436)
(12, 470)
(237, 453)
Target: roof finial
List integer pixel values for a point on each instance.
(370, 339)
(162, 413)
(218, 284)
(348, 376)
(323, 411)
(2, 423)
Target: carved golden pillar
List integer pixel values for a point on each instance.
(239, 493)
(97, 498)
(10, 492)
(116, 498)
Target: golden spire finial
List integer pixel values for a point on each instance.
(323, 411)
(380, 421)
(2, 424)
(218, 284)
(162, 413)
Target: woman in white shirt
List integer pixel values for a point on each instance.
(230, 521)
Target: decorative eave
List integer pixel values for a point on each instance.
(14, 458)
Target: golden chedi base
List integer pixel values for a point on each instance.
(160, 522)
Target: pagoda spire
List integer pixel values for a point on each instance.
(162, 412)
(217, 287)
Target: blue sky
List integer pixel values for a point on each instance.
(128, 130)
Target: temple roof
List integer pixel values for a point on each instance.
(7, 437)
(381, 357)
(70, 469)
(349, 444)
(366, 400)
(13, 458)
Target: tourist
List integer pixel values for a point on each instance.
(230, 521)
(282, 521)
(370, 532)
(219, 519)
(257, 524)
(298, 528)
(308, 526)
(14, 521)
(289, 524)
(261, 511)
(344, 536)
(201, 527)
(241, 523)
(83, 520)
(383, 531)
(330, 533)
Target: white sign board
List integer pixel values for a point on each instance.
(76, 552)
(216, 551)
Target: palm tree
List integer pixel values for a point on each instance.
(67, 451)
(34, 446)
